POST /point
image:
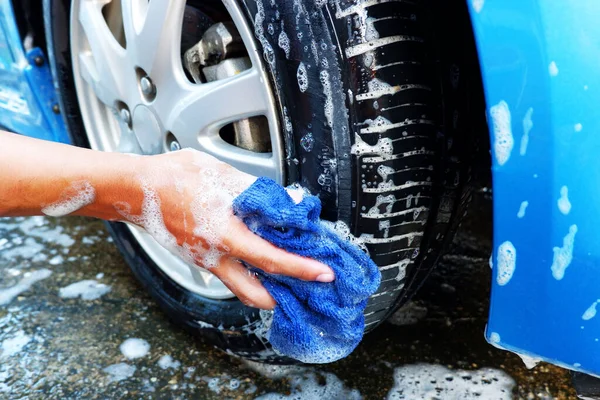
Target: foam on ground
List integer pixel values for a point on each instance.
(15, 344)
(134, 348)
(166, 362)
(8, 294)
(428, 381)
(119, 372)
(306, 386)
(88, 289)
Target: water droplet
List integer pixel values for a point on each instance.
(307, 142)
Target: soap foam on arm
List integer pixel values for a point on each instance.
(76, 196)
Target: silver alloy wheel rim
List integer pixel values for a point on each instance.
(105, 74)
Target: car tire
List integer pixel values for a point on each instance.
(365, 128)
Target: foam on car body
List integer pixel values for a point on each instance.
(563, 255)
(502, 132)
(507, 261)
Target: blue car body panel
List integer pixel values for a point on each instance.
(27, 93)
(540, 63)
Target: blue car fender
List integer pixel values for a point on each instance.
(540, 65)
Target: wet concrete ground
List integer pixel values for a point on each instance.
(55, 347)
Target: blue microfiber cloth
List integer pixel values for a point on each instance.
(313, 322)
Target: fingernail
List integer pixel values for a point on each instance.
(325, 278)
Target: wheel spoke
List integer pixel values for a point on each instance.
(102, 67)
(157, 44)
(201, 277)
(202, 109)
(257, 164)
(131, 9)
(199, 111)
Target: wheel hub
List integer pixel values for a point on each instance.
(147, 130)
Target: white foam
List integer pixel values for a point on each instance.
(503, 137)
(353, 51)
(383, 148)
(15, 344)
(376, 84)
(563, 255)
(370, 32)
(527, 126)
(210, 206)
(213, 383)
(87, 289)
(284, 42)
(212, 210)
(28, 249)
(287, 121)
(507, 262)
(495, 338)
(410, 314)
(428, 381)
(203, 324)
(328, 108)
(259, 19)
(307, 387)
(590, 312)
(133, 348)
(578, 127)
(297, 192)
(384, 171)
(564, 205)
(76, 196)
(379, 121)
(274, 371)
(56, 260)
(477, 5)
(388, 200)
(302, 77)
(29, 278)
(166, 362)
(530, 362)
(343, 231)
(552, 69)
(152, 221)
(119, 372)
(522, 209)
(26, 246)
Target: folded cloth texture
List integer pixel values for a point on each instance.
(313, 322)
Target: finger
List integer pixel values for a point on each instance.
(249, 247)
(243, 283)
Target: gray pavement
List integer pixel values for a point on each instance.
(57, 345)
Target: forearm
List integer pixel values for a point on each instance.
(183, 199)
(35, 175)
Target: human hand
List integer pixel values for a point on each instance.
(185, 203)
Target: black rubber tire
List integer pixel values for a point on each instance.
(320, 124)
